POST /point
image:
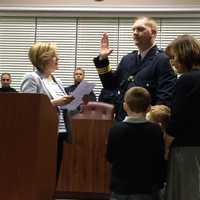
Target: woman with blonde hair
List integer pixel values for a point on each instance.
(44, 58)
(182, 130)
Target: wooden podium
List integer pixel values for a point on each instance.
(85, 171)
(28, 127)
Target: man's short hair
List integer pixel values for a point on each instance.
(6, 73)
(150, 22)
(138, 99)
(79, 68)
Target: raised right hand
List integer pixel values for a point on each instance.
(105, 50)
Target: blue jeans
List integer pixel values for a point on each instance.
(115, 196)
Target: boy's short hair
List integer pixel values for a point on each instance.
(159, 114)
(138, 99)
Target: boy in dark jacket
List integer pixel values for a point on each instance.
(135, 150)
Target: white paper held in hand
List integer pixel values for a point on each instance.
(84, 88)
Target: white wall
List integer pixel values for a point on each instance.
(105, 3)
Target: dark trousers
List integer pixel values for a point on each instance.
(115, 196)
(60, 144)
(156, 195)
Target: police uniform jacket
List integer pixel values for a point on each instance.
(153, 72)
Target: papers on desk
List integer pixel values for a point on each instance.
(84, 88)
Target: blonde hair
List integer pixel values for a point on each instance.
(159, 114)
(150, 22)
(40, 53)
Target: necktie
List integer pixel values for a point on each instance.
(139, 58)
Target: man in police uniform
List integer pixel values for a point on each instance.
(148, 67)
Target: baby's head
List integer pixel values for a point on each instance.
(159, 114)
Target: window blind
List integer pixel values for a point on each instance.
(16, 36)
(78, 41)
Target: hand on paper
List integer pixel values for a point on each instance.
(63, 100)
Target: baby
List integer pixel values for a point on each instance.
(159, 114)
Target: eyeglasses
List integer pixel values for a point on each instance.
(5, 79)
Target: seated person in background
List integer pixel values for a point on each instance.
(135, 150)
(5, 83)
(79, 75)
